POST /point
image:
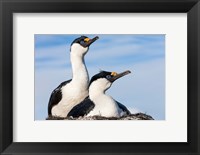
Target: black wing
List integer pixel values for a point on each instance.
(82, 108)
(123, 107)
(56, 96)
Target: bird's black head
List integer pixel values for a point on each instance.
(109, 76)
(84, 41)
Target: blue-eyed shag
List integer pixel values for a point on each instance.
(70, 93)
(98, 103)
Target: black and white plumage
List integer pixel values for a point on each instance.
(98, 103)
(70, 93)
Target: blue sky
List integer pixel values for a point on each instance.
(144, 55)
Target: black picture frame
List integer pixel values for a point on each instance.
(8, 7)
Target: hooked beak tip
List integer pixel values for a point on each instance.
(95, 38)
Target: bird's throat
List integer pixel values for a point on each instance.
(79, 72)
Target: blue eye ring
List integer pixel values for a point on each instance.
(108, 76)
(82, 42)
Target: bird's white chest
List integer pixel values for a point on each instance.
(74, 92)
(71, 96)
(105, 106)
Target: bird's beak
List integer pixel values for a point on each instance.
(90, 41)
(117, 76)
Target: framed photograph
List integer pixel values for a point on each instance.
(85, 77)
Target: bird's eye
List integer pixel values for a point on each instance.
(108, 76)
(82, 42)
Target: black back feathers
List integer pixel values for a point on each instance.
(56, 96)
(82, 109)
(123, 108)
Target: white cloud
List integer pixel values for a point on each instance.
(105, 51)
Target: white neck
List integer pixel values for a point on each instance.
(105, 105)
(99, 96)
(95, 93)
(98, 89)
(79, 71)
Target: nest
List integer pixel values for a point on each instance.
(137, 116)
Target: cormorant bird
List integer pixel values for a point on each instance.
(70, 93)
(98, 103)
